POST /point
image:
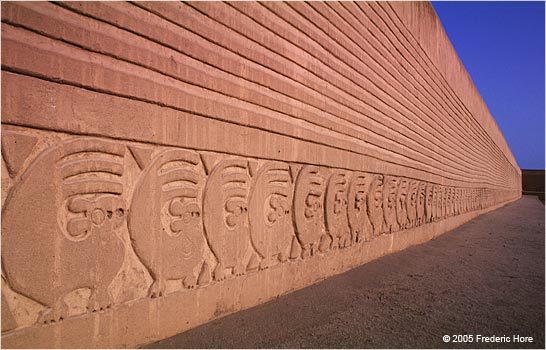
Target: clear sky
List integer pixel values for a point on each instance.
(501, 45)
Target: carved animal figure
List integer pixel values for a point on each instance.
(453, 200)
(401, 205)
(439, 199)
(449, 201)
(462, 201)
(270, 213)
(361, 228)
(443, 202)
(308, 208)
(390, 189)
(375, 204)
(457, 201)
(430, 205)
(165, 219)
(60, 221)
(454, 204)
(337, 220)
(421, 202)
(411, 203)
(225, 215)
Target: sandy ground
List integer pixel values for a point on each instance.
(484, 278)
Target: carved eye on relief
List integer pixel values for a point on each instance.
(185, 214)
(278, 208)
(339, 203)
(391, 201)
(96, 213)
(236, 208)
(378, 199)
(313, 206)
(360, 200)
(98, 216)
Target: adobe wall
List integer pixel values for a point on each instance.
(165, 164)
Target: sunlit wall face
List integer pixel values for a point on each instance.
(501, 44)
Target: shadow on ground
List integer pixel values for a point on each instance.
(485, 277)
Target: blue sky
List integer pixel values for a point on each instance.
(501, 45)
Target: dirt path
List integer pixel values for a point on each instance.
(486, 277)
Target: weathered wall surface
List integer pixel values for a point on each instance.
(164, 164)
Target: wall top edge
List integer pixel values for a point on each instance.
(421, 19)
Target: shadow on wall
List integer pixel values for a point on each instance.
(533, 183)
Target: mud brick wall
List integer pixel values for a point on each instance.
(164, 164)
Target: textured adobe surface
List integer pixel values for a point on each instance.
(164, 164)
(485, 277)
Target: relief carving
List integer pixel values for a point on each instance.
(462, 205)
(439, 193)
(16, 148)
(374, 203)
(225, 216)
(454, 201)
(430, 205)
(401, 205)
(337, 220)
(443, 202)
(411, 203)
(421, 203)
(449, 201)
(390, 191)
(270, 213)
(165, 221)
(361, 227)
(75, 191)
(308, 208)
(464, 201)
(457, 201)
(65, 213)
(8, 319)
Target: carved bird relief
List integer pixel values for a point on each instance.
(270, 213)
(309, 208)
(401, 203)
(60, 225)
(361, 228)
(225, 216)
(165, 221)
(375, 205)
(390, 190)
(337, 220)
(412, 202)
